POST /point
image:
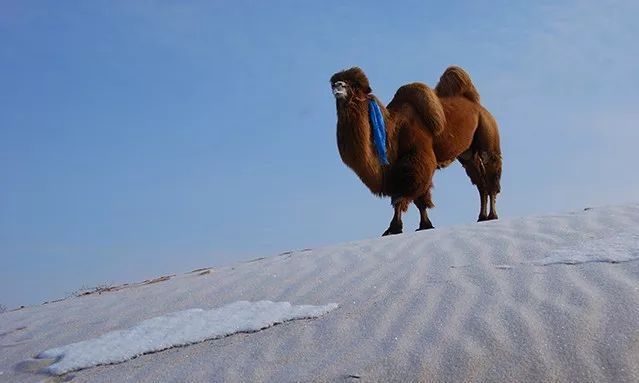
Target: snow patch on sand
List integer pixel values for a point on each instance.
(622, 247)
(177, 329)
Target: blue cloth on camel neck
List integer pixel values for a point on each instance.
(379, 130)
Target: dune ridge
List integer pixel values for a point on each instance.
(473, 303)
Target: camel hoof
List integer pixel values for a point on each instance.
(391, 231)
(490, 217)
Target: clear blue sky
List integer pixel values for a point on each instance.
(140, 138)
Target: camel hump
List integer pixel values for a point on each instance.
(456, 82)
(426, 104)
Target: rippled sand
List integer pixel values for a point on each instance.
(476, 303)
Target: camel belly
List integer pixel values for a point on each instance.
(443, 164)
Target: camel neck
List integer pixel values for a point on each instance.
(355, 143)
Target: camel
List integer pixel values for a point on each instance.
(395, 150)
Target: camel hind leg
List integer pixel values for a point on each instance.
(482, 162)
(472, 163)
(483, 202)
(493, 177)
(484, 171)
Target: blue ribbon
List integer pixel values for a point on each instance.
(379, 130)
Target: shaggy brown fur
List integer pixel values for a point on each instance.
(456, 82)
(425, 130)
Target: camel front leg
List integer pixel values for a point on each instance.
(423, 203)
(400, 205)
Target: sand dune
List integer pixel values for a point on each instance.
(539, 299)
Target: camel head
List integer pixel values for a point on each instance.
(350, 83)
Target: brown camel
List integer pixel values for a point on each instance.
(425, 130)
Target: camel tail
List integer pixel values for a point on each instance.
(456, 82)
(425, 102)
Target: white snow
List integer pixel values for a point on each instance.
(621, 247)
(177, 329)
